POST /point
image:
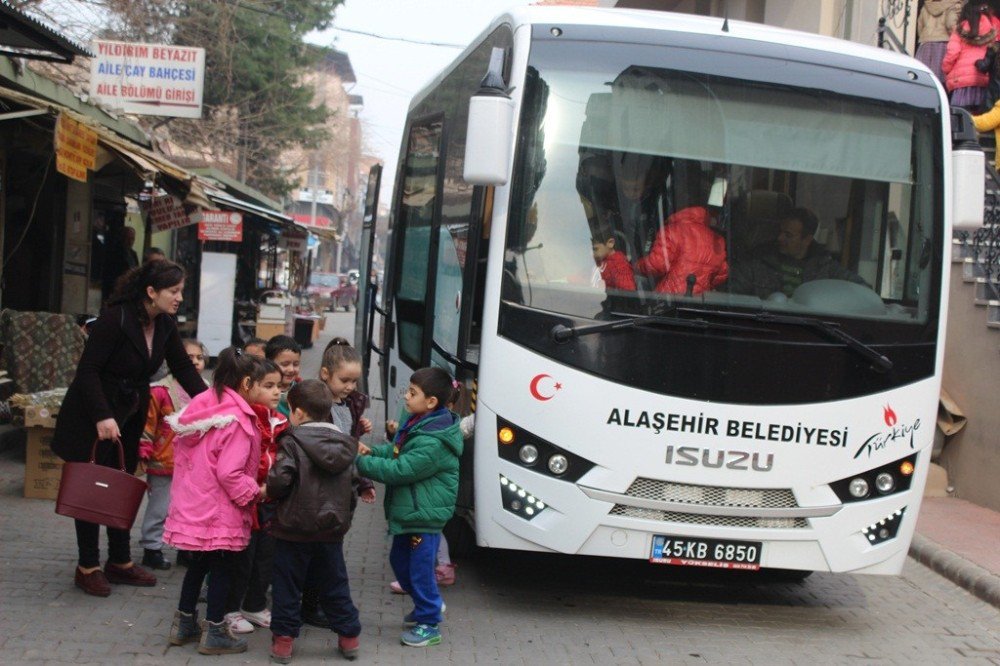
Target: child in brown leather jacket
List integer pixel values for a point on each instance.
(312, 481)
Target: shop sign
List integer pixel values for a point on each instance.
(76, 148)
(294, 240)
(319, 221)
(166, 213)
(221, 225)
(148, 79)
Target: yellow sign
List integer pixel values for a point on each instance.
(76, 148)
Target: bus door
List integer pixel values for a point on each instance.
(364, 315)
(413, 260)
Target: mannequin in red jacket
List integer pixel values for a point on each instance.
(686, 246)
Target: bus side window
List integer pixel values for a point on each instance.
(415, 219)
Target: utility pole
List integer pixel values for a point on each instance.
(314, 192)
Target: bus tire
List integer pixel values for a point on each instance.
(461, 537)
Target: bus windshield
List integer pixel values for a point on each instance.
(640, 186)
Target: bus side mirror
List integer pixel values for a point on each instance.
(968, 173)
(488, 138)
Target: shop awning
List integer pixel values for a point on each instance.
(171, 177)
(321, 230)
(26, 37)
(146, 163)
(224, 200)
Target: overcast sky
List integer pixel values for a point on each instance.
(389, 72)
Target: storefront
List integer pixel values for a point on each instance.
(64, 238)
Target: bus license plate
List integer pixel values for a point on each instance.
(713, 553)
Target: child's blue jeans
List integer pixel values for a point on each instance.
(325, 560)
(412, 558)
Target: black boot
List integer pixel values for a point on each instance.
(312, 614)
(154, 560)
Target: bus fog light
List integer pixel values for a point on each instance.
(518, 500)
(558, 464)
(884, 529)
(528, 454)
(884, 482)
(858, 488)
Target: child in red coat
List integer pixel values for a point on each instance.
(156, 450)
(612, 264)
(246, 604)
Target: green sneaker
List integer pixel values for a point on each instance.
(422, 635)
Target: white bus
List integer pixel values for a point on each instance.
(752, 380)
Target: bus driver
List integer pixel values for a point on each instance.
(796, 258)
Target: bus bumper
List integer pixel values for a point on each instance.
(572, 522)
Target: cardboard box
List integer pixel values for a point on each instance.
(43, 417)
(268, 329)
(42, 467)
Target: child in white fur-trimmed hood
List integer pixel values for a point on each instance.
(214, 493)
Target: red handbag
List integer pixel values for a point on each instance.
(99, 494)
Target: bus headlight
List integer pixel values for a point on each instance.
(528, 454)
(538, 455)
(858, 488)
(873, 484)
(884, 483)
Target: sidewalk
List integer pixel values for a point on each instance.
(960, 541)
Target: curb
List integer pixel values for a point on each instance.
(977, 580)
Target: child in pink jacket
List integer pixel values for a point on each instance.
(214, 494)
(966, 83)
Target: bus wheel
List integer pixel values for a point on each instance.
(461, 538)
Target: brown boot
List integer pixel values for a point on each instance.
(94, 583)
(133, 575)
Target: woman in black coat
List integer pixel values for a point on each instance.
(109, 396)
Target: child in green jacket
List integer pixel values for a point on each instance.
(420, 471)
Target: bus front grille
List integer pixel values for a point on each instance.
(770, 498)
(706, 519)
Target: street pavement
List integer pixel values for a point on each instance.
(528, 608)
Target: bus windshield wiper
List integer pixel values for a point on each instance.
(827, 328)
(563, 333)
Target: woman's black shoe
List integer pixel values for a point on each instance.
(154, 559)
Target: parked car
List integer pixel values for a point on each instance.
(339, 290)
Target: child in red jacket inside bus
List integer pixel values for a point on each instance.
(612, 264)
(687, 255)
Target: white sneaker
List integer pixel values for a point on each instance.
(238, 624)
(260, 618)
